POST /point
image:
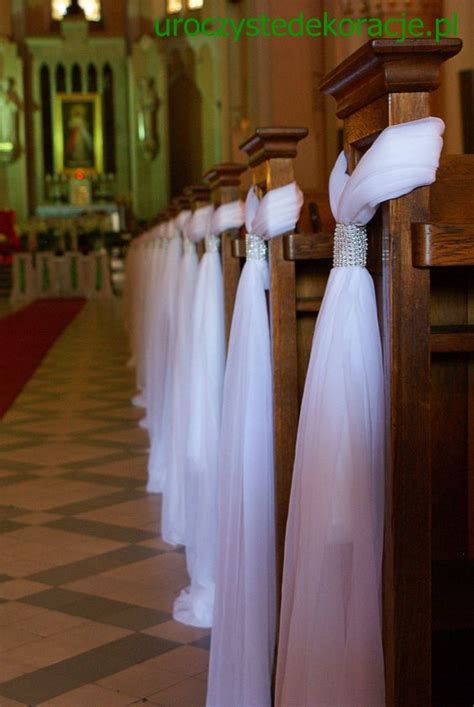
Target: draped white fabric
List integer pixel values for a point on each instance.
(330, 647)
(243, 637)
(145, 284)
(173, 506)
(162, 347)
(194, 606)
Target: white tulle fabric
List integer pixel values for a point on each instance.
(330, 646)
(134, 304)
(162, 347)
(195, 604)
(243, 636)
(227, 217)
(147, 274)
(152, 312)
(173, 524)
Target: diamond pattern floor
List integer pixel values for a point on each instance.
(86, 583)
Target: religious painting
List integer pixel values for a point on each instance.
(78, 138)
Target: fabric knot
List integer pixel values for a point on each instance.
(350, 246)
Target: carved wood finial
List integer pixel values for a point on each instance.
(384, 66)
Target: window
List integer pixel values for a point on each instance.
(92, 9)
(173, 6)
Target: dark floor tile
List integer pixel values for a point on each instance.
(104, 479)
(114, 657)
(94, 504)
(98, 461)
(7, 525)
(47, 683)
(204, 642)
(12, 511)
(16, 478)
(30, 442)
(100, 530)
(55, 598)
(94, 565)
(94, 608)
(12, 465)
(39, 686)
(136, 618)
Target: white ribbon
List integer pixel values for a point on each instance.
(200, 224)
(182, 219)
(227, 217)
(243, 634)
(173, 516)
(194, 606)
(161, 356)
(330, 649)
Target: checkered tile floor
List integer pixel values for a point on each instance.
(86, 584)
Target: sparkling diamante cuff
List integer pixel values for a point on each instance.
(255, 247)
(350, 246)
(212, 244)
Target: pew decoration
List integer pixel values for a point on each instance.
(173, 525)
(162, 351)
(141, 266)
(195, 604)
(330, 642)
(242, 648)
(153, 254)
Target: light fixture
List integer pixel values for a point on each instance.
(92, 9)
(173, 6)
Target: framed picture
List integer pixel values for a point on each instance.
(78, 138)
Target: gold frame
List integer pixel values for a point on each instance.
(98, 138)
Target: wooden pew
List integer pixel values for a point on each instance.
(224, 180)
(445, 246)
(384, 83)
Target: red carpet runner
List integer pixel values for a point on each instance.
(25, 338)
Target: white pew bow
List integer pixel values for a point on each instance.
(330, 647)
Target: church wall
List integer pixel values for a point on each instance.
(13, 176)
(451, 105)
(150, 175)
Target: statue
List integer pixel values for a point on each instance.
(10, 105)
(147, 114)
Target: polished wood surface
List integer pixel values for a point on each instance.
(442, 245)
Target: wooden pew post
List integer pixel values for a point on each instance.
(225, 187)
(271, 152)
(384, 83)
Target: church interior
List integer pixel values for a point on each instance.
(237, 353)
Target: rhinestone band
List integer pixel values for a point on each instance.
(255, 247)
(350, 245)
(188, 245)
(212, 244)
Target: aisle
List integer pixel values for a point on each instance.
(86, 585)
